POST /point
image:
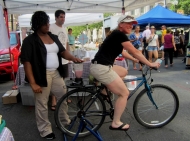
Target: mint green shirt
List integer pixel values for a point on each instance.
(71, 39)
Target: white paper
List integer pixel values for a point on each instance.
(4, 40)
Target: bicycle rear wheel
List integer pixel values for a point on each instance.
(84, 103)
(146, 112)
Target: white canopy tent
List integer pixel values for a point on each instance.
(73, 6)
(71, 19)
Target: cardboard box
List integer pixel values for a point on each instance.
(10, 97)
(187, 61)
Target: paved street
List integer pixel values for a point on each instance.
(21, 119)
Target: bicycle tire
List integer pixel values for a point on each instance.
(79, 98)
(146, 113)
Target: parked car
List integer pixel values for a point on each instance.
(5, 62)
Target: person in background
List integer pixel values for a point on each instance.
(102, 67)
(169, 47)
(146, 33)
(182, 42)
(136, 39)
(41, 55)
(60, 30)
(178, 41)
(71, 41)
(162, 39)
(153, 45)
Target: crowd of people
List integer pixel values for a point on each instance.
(149, 43)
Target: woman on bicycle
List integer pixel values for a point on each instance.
(101, 67)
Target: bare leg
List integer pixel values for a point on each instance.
(162, 55)
(155, 53)
(118, 87)
(150, 56)
(134, 65)
(140, 66)
(122, 72)
(53, 102)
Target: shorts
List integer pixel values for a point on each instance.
(104, 74)
(140, 48)
(65, 71)
(152, 48)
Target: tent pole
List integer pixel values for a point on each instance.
(123, 8)
(6, 20)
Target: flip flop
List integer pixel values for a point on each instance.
(119, 128)
(135, 68)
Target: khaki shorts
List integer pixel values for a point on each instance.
(72, 47)
(104, 74)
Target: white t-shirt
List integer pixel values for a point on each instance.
(146, 33)
(62, 34)
(153, 42)
(52, 62)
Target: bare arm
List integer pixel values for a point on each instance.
(157, 43)
(127, 55)
(173, 42)
(29, 74)
(67, 46)
(137, 54)
(66, 55)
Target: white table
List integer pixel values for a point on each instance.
(6, 135)
(86, 71)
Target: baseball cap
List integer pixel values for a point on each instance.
(127, 19)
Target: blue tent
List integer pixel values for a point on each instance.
(161, 15)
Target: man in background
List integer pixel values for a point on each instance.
(146, 33)
(60, 30)
(71, 41)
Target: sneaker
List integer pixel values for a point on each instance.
(50, 136)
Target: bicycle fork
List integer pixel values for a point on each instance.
(149, 93)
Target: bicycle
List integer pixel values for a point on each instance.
(155, 106)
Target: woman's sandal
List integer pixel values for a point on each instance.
(119, 128)
(53, 108)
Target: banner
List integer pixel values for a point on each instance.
(4, 40)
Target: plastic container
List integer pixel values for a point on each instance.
(131, 85)
(78, 69)
(2, 125)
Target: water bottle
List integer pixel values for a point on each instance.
(159, 61)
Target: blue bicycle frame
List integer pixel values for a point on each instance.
(146, 85)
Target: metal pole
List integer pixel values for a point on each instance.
(12, 22)
(165, 3)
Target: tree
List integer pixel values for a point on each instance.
(183, 5)
(77, 30)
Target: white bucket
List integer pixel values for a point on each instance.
(131, 85)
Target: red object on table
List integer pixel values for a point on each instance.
(120, 58)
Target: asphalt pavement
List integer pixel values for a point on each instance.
(21, 119)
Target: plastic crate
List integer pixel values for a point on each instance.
(2, 125)
(27, 95)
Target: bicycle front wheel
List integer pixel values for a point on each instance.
(159, 114)
(83, 103)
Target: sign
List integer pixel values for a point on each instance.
(83, 39)
(180, 11)
(4, 40)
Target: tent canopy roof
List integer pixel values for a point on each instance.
(72, 19)
(74, 6)
(161, 15)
